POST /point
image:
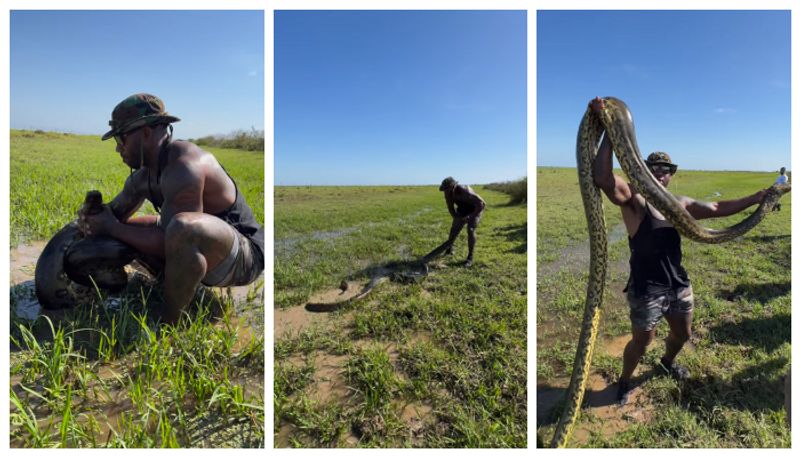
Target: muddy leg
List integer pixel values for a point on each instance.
(634, 351)
(195, 243)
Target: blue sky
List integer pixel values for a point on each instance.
(400, 97)
(712, 88)
(70, 68)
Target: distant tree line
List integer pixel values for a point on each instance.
(248, 140)
(518, 190)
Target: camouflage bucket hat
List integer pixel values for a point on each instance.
(136, 111)
(447, 183)
(661, 158)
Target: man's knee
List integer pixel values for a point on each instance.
(183, 228)
(681, 335)
(643, 339)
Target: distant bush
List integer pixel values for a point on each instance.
(518, 190)
(252, 140)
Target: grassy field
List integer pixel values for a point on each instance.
(104, 374)
(738, 355)
(441, 363)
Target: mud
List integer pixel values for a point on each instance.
(607, 418)
(26, 306)
(295, 320)
(337, 295)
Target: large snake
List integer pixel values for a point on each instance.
(402, 271)
(616, 120)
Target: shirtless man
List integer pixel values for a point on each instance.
(658, 285)
(466, 208)
(205, 233)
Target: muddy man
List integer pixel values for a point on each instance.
(205, 232)
(466, 208)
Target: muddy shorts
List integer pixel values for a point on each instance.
(242, 266)
(471, 222)
(647, 310)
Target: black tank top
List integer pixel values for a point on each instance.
(238, 215)
(655, 258)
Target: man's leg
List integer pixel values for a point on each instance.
(633, 353)
(680, 330)
(194, 244)
(472, 226)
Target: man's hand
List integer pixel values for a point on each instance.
(97, 224)
(597, 105)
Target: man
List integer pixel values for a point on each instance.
(205, 233)
(466, 208)
(658, 285)
(782, 179)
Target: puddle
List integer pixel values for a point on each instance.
(599, 401)
(295, 320)
(575, 257)
(285, 246)
(23, 261)
(284, 434)
(414, 415)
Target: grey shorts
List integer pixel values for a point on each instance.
(241, 267)
(647, 310)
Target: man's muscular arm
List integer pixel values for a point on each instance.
(705, 210)
(182, 185)
(615, 188)
(127, 202)
(448, 198)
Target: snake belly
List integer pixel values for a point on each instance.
(617, 121)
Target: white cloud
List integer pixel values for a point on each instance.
(724, 110)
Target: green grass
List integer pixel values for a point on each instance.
(51, 173)
(741, 342)
(452, 348)
(109, 376)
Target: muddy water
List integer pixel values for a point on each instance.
(599, 401)
(296, 319)
(23, 270)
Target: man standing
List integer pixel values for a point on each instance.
(466, 208)
(205, 233)
(782, 179)
(658, 285)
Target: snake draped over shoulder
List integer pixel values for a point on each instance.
(616, 120)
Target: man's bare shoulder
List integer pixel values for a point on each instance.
(185, 150)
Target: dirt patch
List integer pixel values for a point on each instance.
(610, 418)
(615, 346)
(284, 434)
(599, 402)
(328, 383)
(337, 295)
(295, 320)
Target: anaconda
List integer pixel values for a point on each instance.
(616, 120)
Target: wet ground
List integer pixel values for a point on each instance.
(210, 430)
(23, 268)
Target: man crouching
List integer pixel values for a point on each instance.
(205, 233)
